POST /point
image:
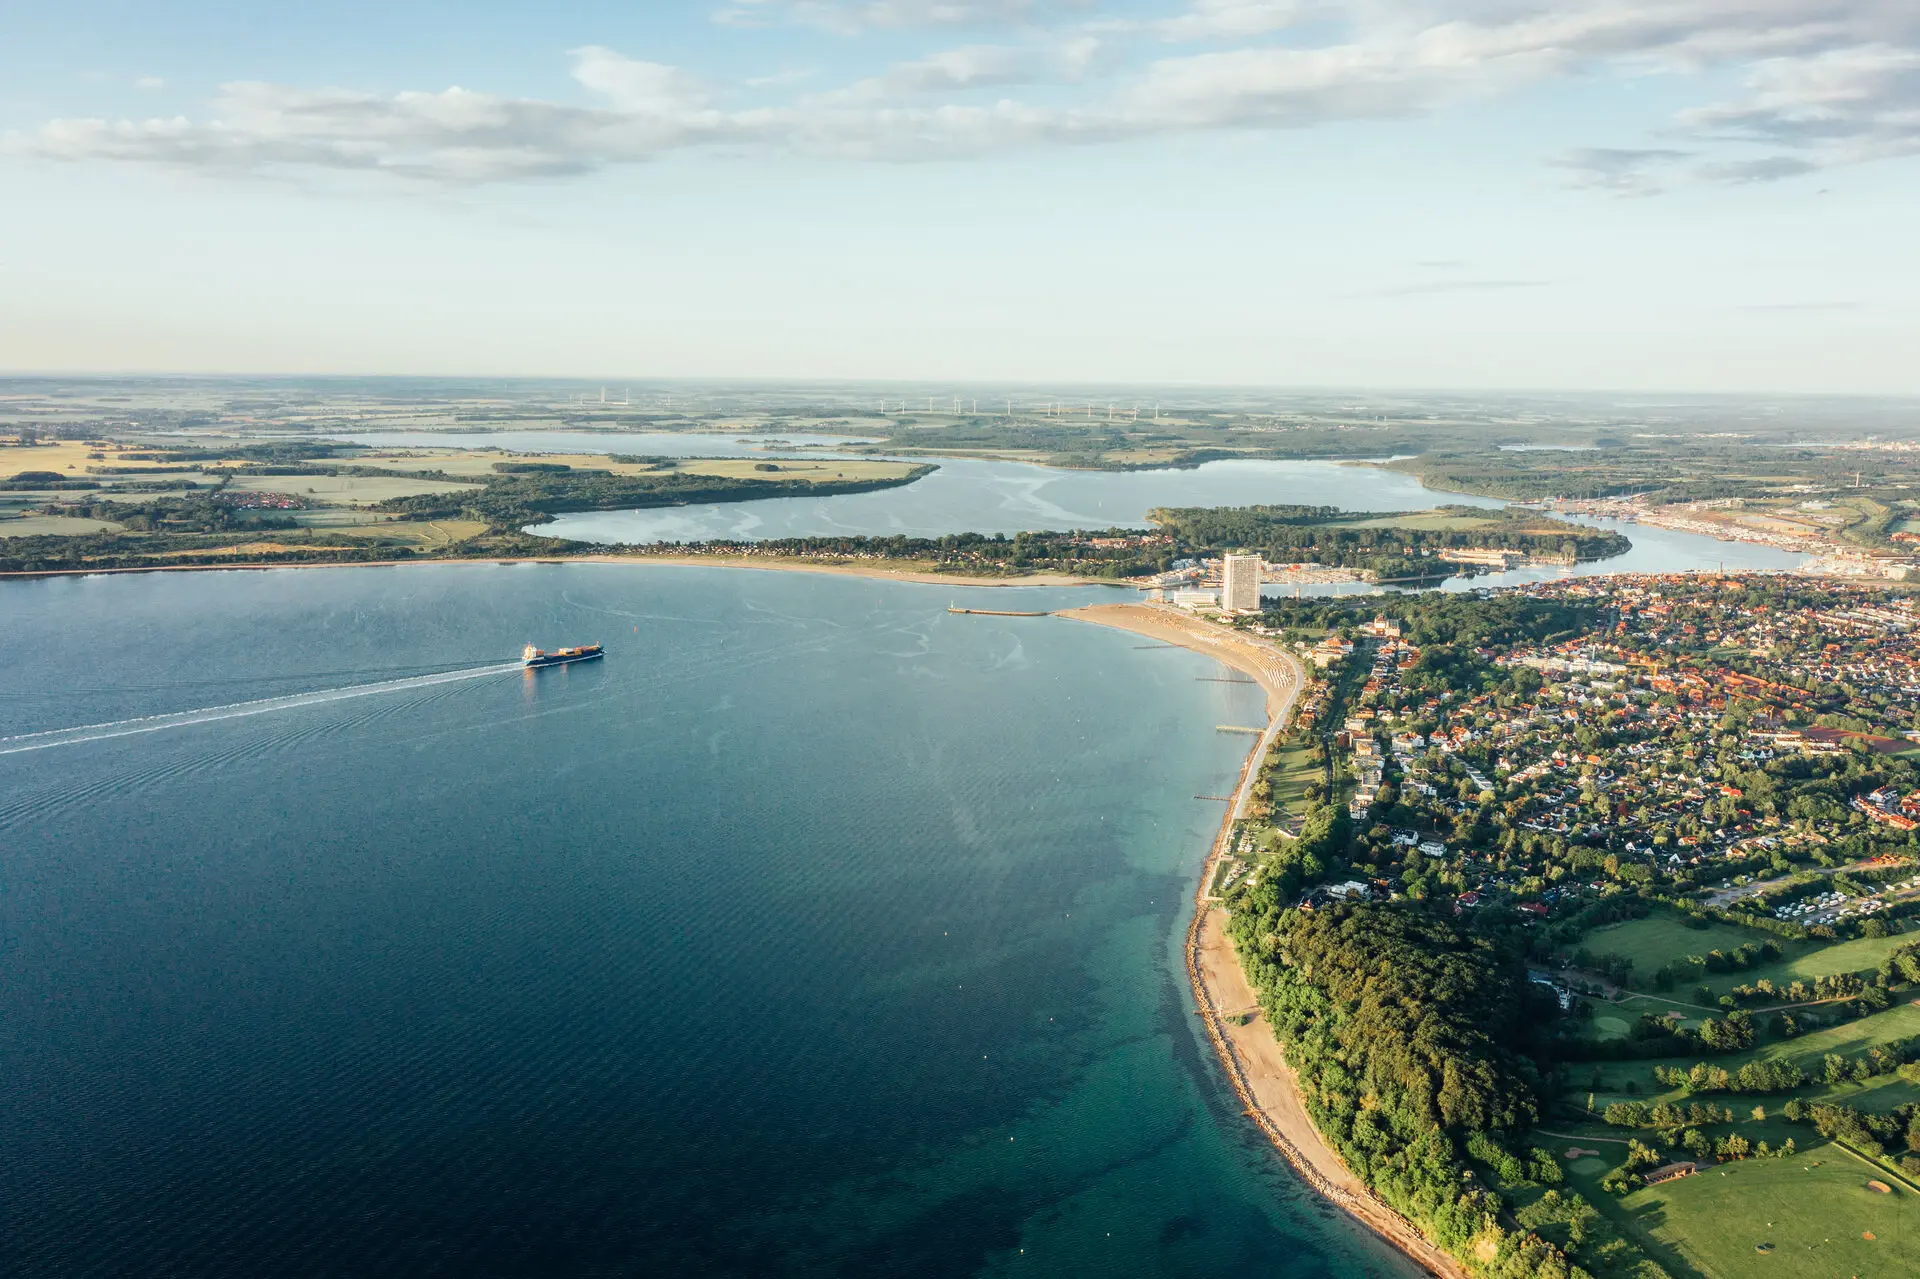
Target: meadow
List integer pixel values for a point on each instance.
(1804, 961)
(343, 490)
(1446, 518)
(1810, 1216)
(53, 526)
(1292, 769)
(421, 534)
(1661, 938)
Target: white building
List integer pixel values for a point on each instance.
(1240, 583)
(1195, 599)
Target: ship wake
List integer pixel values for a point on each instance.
(236, 710)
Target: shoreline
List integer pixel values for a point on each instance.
(768, 563)
(1266, 1086)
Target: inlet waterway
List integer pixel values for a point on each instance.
(974, 495)
(971, 495)
(816, 931)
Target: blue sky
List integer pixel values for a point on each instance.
(1661, 194)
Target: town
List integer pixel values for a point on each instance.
(1685, 805)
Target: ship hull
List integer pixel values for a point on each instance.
(556, 659)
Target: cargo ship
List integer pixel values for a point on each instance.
(534, 657)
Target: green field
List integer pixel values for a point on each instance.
(347, 490)
(1611, 1024)
(1680, 1001)
(1439, 519)
(1805, 961)
(54, 526)
(1662, 937)
(427, 534)
(1847, 1039)
(1293, 769)
(1814, 1209)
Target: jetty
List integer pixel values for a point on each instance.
(997, 612)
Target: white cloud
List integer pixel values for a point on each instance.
(149, 82)
(851, 17)
(642, 88)
(974, 66)
(1233, 19)
(1838, 107)
(1826, 82)
(1621, 170)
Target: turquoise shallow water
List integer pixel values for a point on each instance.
(815, 932)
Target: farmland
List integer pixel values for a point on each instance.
(80, 504)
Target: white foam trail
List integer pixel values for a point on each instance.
(233, 710)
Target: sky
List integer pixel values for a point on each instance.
(1713, 195)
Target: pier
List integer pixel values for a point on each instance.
(997, 612)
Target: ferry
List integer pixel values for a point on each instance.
(534, 657)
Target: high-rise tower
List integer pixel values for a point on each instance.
(1240, 584)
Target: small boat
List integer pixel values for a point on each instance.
(534, 657)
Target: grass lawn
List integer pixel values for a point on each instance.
(1680, 1001)
(1437, 519)
(1611, 1025)
(1294, 769)
(54, 526)
(1805, 961)
(1662, 937)
(1814, 1210)
(426, 534)
(1847, 1039)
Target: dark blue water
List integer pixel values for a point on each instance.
(815, 932)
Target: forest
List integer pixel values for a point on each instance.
(524, 495)
(1418, 1049)
(1377, 541)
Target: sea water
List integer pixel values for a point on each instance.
(816, 931)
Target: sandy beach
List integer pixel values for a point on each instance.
(1267, 1087)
